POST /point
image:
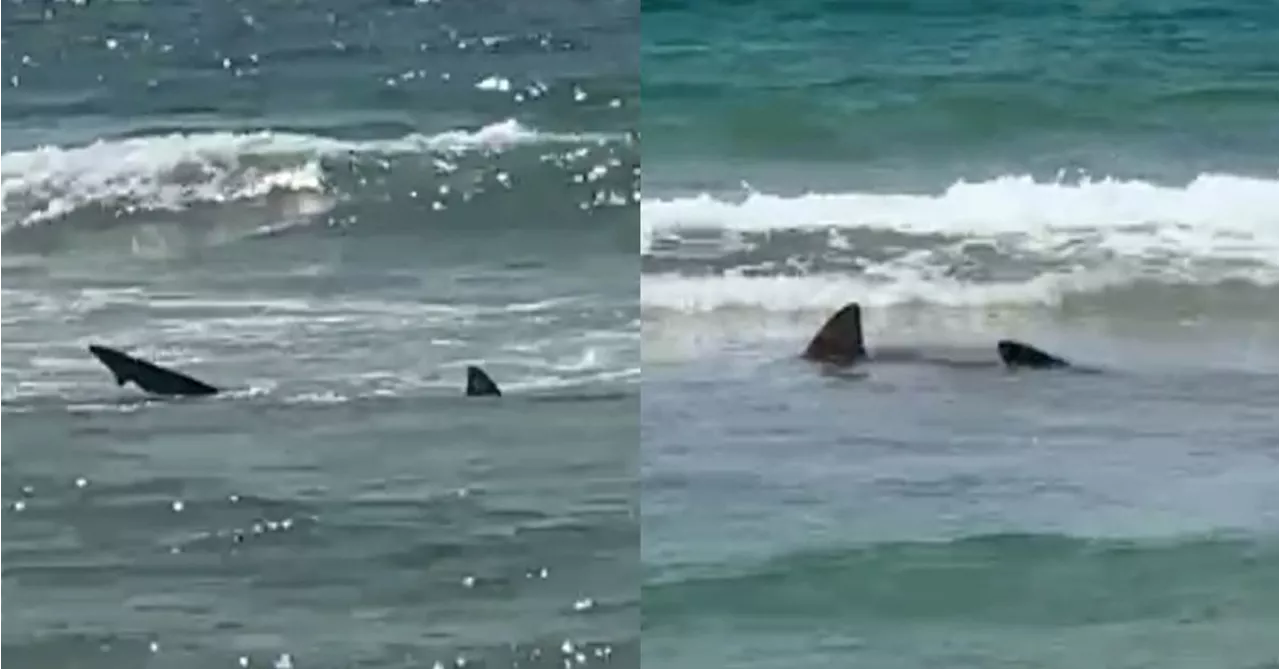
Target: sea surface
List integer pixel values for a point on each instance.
(328, 209)
(1097, 178)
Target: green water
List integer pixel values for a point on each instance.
(1096, 178)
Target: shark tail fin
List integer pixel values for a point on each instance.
(479, 384)
(1019, 354)
(840, 338)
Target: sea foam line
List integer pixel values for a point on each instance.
(178, 170)
(1213, 215)
(830, 291)
(1216, 231)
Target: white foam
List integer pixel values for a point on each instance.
(1216, 228)
(179, 170)
(1210, 206)
(829, 291)
(494, 83)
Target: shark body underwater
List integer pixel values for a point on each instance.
(839, 342)
(157, 380)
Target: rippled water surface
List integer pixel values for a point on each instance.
(1098, 179)
(327, 210)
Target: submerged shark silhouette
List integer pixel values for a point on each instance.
(158, 380)
(840, 342)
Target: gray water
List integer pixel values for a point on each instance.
(327, 210)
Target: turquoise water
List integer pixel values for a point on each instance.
(934, 90)
(329, 209)
(1098, 178)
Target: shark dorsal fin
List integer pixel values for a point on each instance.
(479, 384)
(149, 377)
(839, 341)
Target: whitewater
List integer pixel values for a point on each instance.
(1008, 241)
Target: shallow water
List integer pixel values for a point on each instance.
(327, 210)
(914, 514)
(1093, 178)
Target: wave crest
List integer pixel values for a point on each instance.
(1010, 240)
(176, 171)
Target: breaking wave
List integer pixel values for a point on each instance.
(1010, 240)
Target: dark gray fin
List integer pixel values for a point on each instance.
(150, 378)
(840, 339)
(1017, 354)
(479, 384)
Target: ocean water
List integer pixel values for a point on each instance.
(328, 209)
(1097, 178)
